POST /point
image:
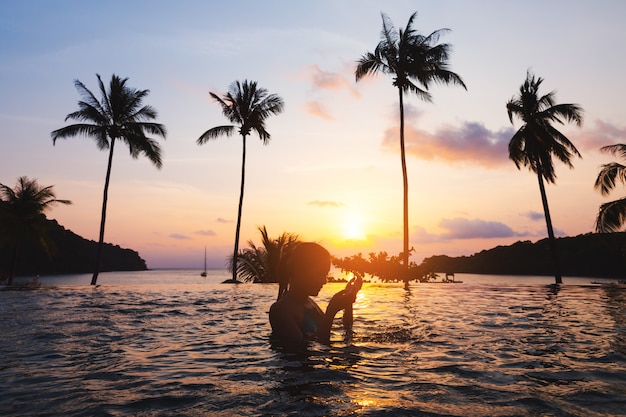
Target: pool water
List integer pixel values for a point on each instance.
(169, 345)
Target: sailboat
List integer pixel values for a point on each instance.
(204, 274)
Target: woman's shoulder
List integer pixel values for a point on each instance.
(284, 303)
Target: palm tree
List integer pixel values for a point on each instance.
(612, 215)
(261, 263)
(415, 62)
(22, 216)
(119, 114)
(537, 141)
(246, 105)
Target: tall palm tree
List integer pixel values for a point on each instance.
(612, 215)
(247, 106)
(261, 263)
(22, 216)
(118, 115)
(537, 141)
(415, 62)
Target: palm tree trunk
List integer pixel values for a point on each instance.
(405, 183)
(243, 177)
(551, 238)
(105, 198)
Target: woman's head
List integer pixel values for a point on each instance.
(306, 268)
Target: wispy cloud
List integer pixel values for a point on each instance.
(469, 143)
(179, 236)
(533, 215)
(461, 228)
(316, 109)
(422, 236)
(328, 80)
(222, 220)
(324, 203)
(472, 143)
(600, 134)
(323, 82)
(205, 233)
(464, 229)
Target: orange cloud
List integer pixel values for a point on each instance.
(461, 228)
(601, 134)
(179, 236)
(474, 144)
(466, 229)
(314, 108)
(469, 143)
(205, 233)
(326, 80)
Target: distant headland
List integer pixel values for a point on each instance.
(588, 255)
(71, 254)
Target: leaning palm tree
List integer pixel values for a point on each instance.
(261, 263)
(246, 105)
(537, 141)
(415, 62)
(612, 215)
(119, 114)
(22, 216)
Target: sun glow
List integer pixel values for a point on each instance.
(353, 229)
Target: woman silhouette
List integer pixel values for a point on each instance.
(295, 318)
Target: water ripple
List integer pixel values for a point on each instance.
(462, 350)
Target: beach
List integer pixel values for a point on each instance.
(157, 343)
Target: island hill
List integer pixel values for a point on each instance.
(588, 255)
(71, 254)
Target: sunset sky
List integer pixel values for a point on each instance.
(331, 172)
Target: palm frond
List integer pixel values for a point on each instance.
(247, 105)
(569, 112)
(154, 129)
(368, 64)
(423, 94)
(138, 144)
(119, 112)
(89, 100)
(215, 133)
(537, 141)
(608, 176)
(611, 216)
(433, 38)
(389, 34)
(618, 149)
(414, 60)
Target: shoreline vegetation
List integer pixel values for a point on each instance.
(594, 255)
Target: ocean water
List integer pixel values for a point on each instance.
(170, 343)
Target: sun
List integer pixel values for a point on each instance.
(352, 229)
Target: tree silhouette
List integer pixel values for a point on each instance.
(247, 106)
(261, 263)
(22, 216)
(415, 62)
(119, 114)
(537, 141)
(612, 215)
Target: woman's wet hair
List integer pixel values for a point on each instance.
(305, 255)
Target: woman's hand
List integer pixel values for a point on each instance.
(346, 297)
(340, 301)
